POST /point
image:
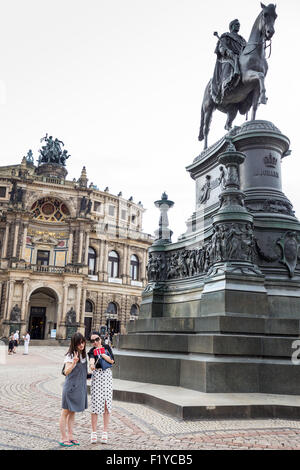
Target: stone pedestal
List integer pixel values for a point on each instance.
(221, 310)
(51, 170)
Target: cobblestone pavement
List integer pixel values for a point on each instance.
(30, 403)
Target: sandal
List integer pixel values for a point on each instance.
(104, 438)
(93, 438)
(66, 444)
(76, 443)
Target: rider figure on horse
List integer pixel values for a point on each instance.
(227, 69)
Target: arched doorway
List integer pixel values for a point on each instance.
(112, 323)
(134, 312)
(42, 313)
(88, 318)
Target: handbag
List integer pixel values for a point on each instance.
(104, 364)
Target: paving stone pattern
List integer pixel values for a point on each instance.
(30, 404)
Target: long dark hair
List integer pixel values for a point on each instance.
(76, 339)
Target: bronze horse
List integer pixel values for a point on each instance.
(250, 91)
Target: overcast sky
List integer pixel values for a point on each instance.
(121, 83)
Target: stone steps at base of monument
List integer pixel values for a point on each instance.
(184, 403)
(218, 324)
(209, 374)
(216, 344)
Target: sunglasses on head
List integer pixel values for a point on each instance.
(95, 339)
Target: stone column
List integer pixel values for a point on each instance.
(79, 259)
(24, 303)
(97, 260)
(105, 262)
(9, 297)
(64, 303)
(143, 274)
(70, 247)
(5, 241)
(125, 272)
(1, 289)
(78, 303)
(101, 260)
(59, 316)
(22, 253)
(86, 251)
(83, 306)
(16, 239)
(129, 253)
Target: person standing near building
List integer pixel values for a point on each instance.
(26, 343)
(11, 345)
(74, 397)
(111, 335)
(101, 386)
(16, 341)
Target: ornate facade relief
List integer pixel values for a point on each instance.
(49, 209)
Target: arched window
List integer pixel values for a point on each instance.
(112, 308)
(49, 209)
(113, 325)
(134, 310)
(88, 306)
(113, 264)
(134, 267)
(92, 261)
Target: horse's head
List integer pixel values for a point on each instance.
(268, 16)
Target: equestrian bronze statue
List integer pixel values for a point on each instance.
(238, 81)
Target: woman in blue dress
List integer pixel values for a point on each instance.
(74, 397)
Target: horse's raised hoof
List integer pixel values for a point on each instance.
(200, 137)
(263, 100)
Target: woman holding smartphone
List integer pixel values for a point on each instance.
(74, 397)
(101, 385)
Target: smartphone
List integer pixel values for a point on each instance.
(99, 351)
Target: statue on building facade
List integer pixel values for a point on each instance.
(52, 151)
(15, 314)
(85, 206)
(16, 194)
(71, 316)
(29, 156)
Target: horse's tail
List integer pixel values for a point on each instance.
(207, 105)
(201, 135)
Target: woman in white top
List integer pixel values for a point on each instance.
(26, 342)
(16, 341)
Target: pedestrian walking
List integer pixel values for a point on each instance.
(111, 336)
(16, 341)
(26, 343)
(74, 397)
(101, 385)
(11, 345)
(106, 338)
